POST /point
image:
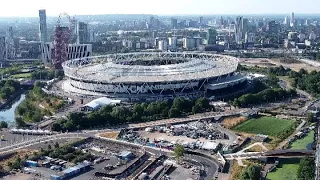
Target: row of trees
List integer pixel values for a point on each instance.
(47, 74)
(8, 88)
(267, 95)
(109, 115)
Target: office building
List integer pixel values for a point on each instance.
(3, 52)
(249, 37)
(212, 36)
(174, 23)
(173, 43)
(43, 25)
(188, 43)
(10, 49)
(82, 33)
(292, 20)
(286, 21)
(163, 45)
(74, 51)
(201, 22)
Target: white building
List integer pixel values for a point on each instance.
(163, 45)
(249, 38)
(188, 43)
(74, 51)
(127, 43)
(312, 36)
(286, 21)
(301, 37)
(173, 43)
(43, 26)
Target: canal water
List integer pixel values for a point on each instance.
(7, 113)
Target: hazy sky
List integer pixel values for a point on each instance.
(167, 7)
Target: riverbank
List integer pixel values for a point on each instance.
(12, 99)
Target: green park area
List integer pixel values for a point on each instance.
(287, 169)
(303, 142)
(268, 126)
(22, 75)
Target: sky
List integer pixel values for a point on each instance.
(29, 8)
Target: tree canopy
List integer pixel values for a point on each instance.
(306, 169)
(252, 172)
(178, 151)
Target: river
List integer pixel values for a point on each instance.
(7, 113)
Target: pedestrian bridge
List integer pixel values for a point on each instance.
(285, 153)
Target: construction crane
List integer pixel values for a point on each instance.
(61, 41)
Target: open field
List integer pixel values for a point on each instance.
(287, 170)
(265, 125)
(302, 143)
(265, 62)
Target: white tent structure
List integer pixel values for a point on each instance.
(98, 103)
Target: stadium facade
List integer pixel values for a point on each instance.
(149, 76)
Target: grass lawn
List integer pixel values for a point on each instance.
(302, 143)
(22, 75)
(264, 125)
(287, 170)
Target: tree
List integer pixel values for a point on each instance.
(306, 169)
(252, 172)
(174, 112)
(311, 118)
(178, 151)
(56, 145)
(49, 146)
(3, 124)
(20, 122)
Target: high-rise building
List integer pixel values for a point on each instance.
(82, 33)
(3, 53)
(43, 25)
(212, 36)
(92, 36)
(273, 27)
(10, 49)
(286, 21)
(173, 43)
(292, 20)
(174, 23)
(201, 22)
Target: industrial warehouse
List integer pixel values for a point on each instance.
(149, 76)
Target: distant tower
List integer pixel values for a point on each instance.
(43, 25)
(82, 33)
(10, 49)
(286, 21)
(292, 21)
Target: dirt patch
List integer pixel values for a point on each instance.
(230, 122)
(110, 135)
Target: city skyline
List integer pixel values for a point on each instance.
(178, 7)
